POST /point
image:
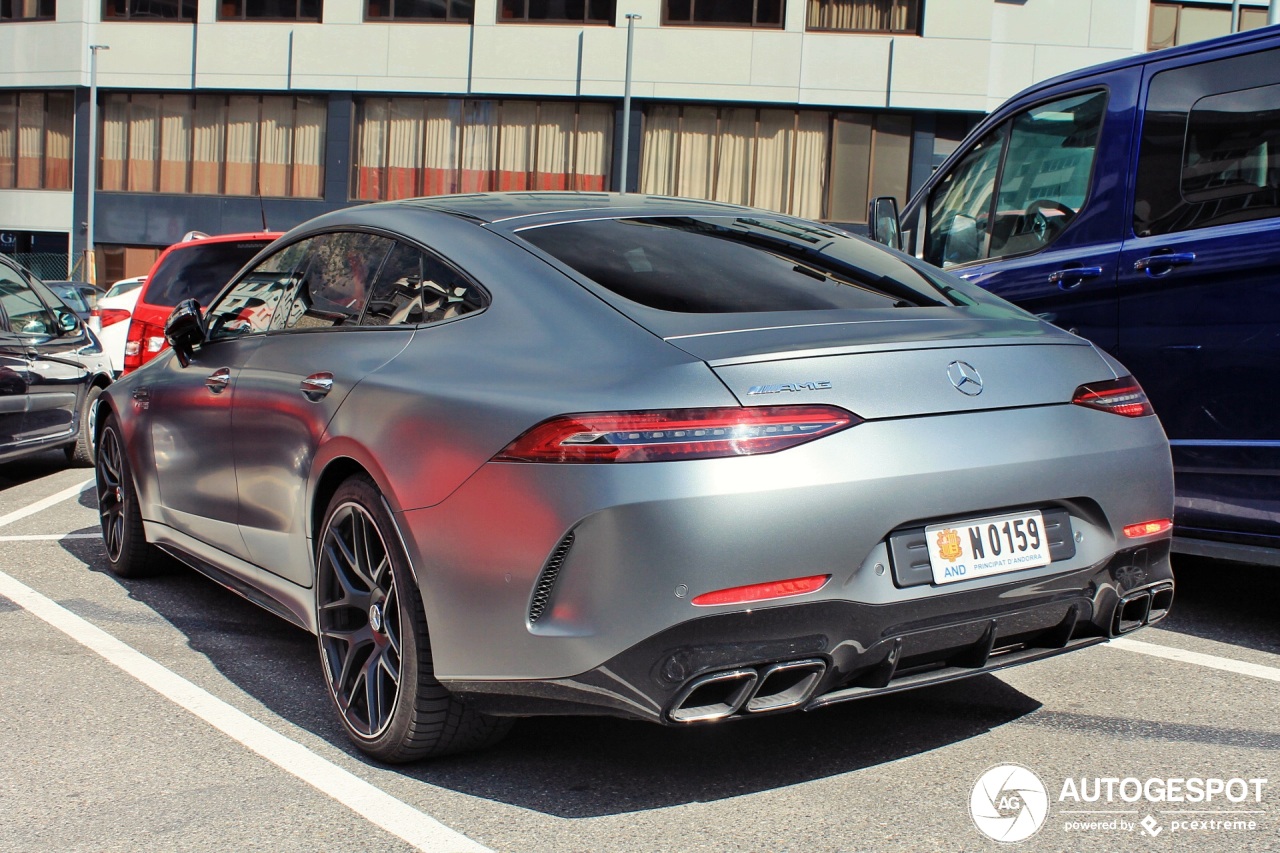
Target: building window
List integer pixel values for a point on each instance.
(246, 145)
(1182, 23)
(269, 10)
(865, 16)
(723, 13)
(149, 10)
(557, 11)
(26, 10)
(406, 147)
(452, 11)
(35, 140)
(810, 163)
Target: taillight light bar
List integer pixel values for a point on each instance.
(674, 434)
(111, 316)
(1123, 396)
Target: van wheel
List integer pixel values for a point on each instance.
(374, 648)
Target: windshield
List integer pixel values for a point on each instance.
(736, 264)
(199, 271)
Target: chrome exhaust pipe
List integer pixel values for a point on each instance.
(713, 697)
(1131, 612)
(1161, 601)
(785, 685)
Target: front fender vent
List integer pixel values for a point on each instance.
(547, 578)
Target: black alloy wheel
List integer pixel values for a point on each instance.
(373, 639)
(129, 555)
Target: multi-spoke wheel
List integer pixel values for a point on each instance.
(129, 554)
(373, 639)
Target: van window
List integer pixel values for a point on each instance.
(1208, 156)
(1041, 161)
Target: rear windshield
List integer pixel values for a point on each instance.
(199, 271)
(700, 265)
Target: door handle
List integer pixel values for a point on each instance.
(1073, 276)
(1158, 265)
(315, 386)
(218, 380)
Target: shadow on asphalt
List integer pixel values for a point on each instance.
(34, 467)
(1228, 602)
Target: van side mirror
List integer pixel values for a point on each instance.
(185, 330)
(67, 322)
(882, 221)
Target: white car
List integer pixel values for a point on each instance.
(116, 309)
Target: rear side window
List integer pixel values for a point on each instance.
(199, 271)
(1210, 152)
(703, 265)
(414, 288)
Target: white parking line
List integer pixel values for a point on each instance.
(32, 509)
(375, 805)
(370, 802)
(1270, 673)
(50, 537)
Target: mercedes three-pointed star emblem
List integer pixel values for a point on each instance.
(965, 377)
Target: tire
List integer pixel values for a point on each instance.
(82, 452)
(374, 649)
(129, 555)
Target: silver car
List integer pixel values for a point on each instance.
(680, 461)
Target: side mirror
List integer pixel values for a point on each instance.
(882, 221)
(185, 329)
(67, 322)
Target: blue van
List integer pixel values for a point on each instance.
(1137, 203)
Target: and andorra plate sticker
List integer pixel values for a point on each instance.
(987, 546)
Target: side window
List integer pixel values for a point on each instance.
(335, 283)
(413, 288)
(1208, 156)
(26, 314)
(960, 206)
(1040, 162)
(249, 306)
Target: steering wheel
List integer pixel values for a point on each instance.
(1047, 218)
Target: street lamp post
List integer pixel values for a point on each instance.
(626, 100)
(90, 262)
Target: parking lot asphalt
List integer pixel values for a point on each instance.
(169, 714)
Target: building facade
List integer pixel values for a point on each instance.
(228, 115)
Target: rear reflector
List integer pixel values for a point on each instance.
(674, 434)
(1148, 528)
(1123, 396)
(762, 591)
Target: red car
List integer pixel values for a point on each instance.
(197, 267)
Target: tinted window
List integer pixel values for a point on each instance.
(335, 279)
(1045, 156)
(413, 287)
(727, 265)
(1209, 156)
(25, 313)
(199, 271)
(250, 305)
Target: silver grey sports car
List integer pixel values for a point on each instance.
(558, 453)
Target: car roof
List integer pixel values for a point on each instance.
(553, 206)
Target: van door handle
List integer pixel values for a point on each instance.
(316, 386)
(1158, 265)
(1073, 276)
(218, 380)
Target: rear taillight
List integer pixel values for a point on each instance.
(142, 344)
(762, 591)
(1148, 528)
(1123, 396)
(674, 434)
(111, 316)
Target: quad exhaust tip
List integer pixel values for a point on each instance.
(774, 687)
(1143, 607)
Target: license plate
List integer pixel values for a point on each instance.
(981, 547)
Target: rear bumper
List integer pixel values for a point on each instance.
(806, 656)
